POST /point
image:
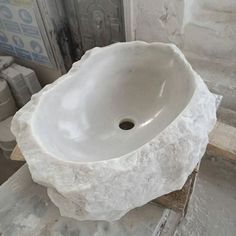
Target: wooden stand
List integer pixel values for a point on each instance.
(178, 200)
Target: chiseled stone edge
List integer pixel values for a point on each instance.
(106, 190)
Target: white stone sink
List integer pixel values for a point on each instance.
(128, 123)
(145, 86)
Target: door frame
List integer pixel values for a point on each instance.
(128, 20)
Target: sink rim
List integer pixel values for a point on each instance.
(36, 99)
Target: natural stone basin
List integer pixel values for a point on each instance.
(128, 123)
(142, 88)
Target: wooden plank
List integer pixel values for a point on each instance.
(178, 200)
(16, 155)
(222, 141)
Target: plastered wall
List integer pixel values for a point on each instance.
(158, 20)
(205, 30)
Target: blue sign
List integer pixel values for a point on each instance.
(3, 37)
(7, 48)
(40, 59)
(25, 16)
(1, 24)
(5, 12)
(31, 31)
(12, 26)
(18, 41)
(23, 54)
(36, 47)
(4, 1)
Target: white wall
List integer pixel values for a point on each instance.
(204, 27)
(205, 30)
(158, 20)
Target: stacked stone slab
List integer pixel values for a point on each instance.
(22, 81)
(7, 103)
(7, 139)
(7, 110)
(30, 78)
(17, 84)
(5, 61)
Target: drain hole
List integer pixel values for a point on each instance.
(126, 124)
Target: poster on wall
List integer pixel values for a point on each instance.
(19, 32)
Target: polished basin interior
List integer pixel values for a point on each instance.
(118, 99)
